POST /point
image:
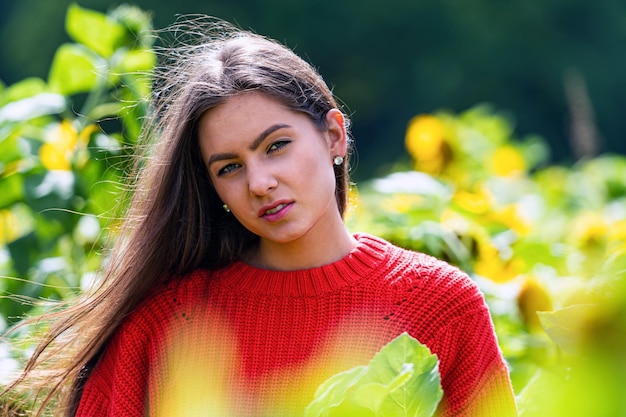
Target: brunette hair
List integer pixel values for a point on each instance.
(175, 222)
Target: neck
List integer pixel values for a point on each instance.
(307, 252)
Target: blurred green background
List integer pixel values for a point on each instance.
(546, 62)
(527, 194)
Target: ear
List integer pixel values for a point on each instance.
(337, 137)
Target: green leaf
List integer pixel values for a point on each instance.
(10, 151)
(94, 30)
(566, 326)
(26, 88)
(105, 110)
(333, 392)
(407, 376)
(137, 22)
(11, 187)
(32, 107)
(373, 395)
(136, 60)
(74, 70)
(401, 380)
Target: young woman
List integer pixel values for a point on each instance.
(234, 287)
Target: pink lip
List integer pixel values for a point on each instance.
(278, 210)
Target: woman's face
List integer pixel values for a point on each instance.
(273, 167)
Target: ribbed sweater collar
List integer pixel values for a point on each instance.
(359, 264)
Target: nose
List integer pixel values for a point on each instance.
(261, 181)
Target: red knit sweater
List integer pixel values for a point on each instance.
(244, 341)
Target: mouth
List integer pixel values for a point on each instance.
(273, 209)
(276, 209)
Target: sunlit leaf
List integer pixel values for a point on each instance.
(32, 107)
(105, 110)
(401, 380)
(12, 190)
(410, 375)
(25, 88)
(10, 153)
(412, 182)
(9, 228)
(565, 326)
(74, 69)
(334, 391)
(94, 30)
(138, 23)
(135, 60)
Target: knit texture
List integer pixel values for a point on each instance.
(243, 341)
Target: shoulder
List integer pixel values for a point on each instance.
(405, 264)
(148, 326)
(432, 283)
(167, 305)
(170, 300)
(117, 383)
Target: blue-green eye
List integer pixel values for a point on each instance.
(278, 145)
(228, 169)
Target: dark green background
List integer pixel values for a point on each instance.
(390, 60)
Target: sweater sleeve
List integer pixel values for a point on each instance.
(475, 377)
(118, 383)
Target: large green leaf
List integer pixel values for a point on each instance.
(74, 69)
(401, 380)
(333, 392)
(94, 30)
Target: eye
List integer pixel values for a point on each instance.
(278, 145)
(228, 169)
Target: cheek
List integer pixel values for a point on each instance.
(316, 174)
(224, 193)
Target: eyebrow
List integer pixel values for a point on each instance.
(253, 146)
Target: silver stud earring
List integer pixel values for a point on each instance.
(226, 208)
(338, 160)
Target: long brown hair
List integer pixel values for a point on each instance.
(175, 222)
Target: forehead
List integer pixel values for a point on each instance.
(244, 116)
(244, 107)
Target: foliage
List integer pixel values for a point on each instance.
(387, 63)
(63, 148)
(546, 243)
(402, 379)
